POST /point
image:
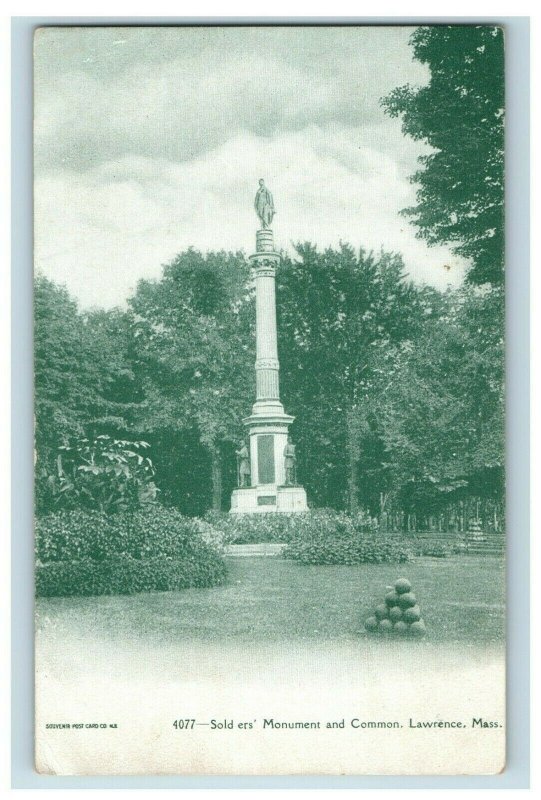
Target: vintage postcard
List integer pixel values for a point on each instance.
(269, 428)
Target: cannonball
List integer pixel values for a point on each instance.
(392, 599)
(395, 613)
(382, 612)
(371, 624)
(412, 614)
(400, 627)
(386, 626)
(402, 585)
(417, 628)
(407, 599)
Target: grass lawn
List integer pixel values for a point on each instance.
(278, 640)
(271, 599)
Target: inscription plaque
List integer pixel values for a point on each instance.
(265, 458)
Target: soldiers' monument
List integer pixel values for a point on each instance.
(267, 473)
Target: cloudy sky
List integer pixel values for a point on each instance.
(149, 140)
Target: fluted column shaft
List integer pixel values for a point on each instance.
(265, 261)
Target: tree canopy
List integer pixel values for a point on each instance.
(84, 381)
(83, 374)
(343, 316)
(195, 343)
(441, 419)
(460, 114)
(396, 389)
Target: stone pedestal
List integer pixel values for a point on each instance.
(268, 423)
(262, 499)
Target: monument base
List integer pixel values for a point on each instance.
(268, 498)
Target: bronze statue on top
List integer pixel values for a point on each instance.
(264, 205)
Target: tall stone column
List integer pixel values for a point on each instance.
(267, 367)
(268, 424)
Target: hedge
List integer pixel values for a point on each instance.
(355, 548)
(282, 527)
(89, 553)
(434, 549)
(319, 536)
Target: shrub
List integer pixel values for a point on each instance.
(250, 528)
(256, 528)
(211, 535)
(434, 549)
(104, 474)
(81, 553)
(354, 548)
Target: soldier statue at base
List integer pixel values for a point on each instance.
(290, 463)
(243, 466)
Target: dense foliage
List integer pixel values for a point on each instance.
(435, 549)
(254, 528)
(345, 320)
(87, 553)
(441, 419)
(84, 376)
(105, 474)
(194, 340)
(353, 548)
(460, 114)
(397, 390)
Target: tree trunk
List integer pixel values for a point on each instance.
(353, 458)
(216, 477)
(353, 499)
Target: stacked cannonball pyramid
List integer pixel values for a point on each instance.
(399, 614)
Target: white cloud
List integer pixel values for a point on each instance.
(151, 140)
(101, 230)
(175, 93)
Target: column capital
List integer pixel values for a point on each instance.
(265, 260)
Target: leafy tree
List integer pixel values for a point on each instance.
(460, 114)
(195, 344)
(112, 337)
(63, 403)
(343, 317)
(84, 385)
(441, 419)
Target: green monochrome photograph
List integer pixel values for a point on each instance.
(270, 518)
